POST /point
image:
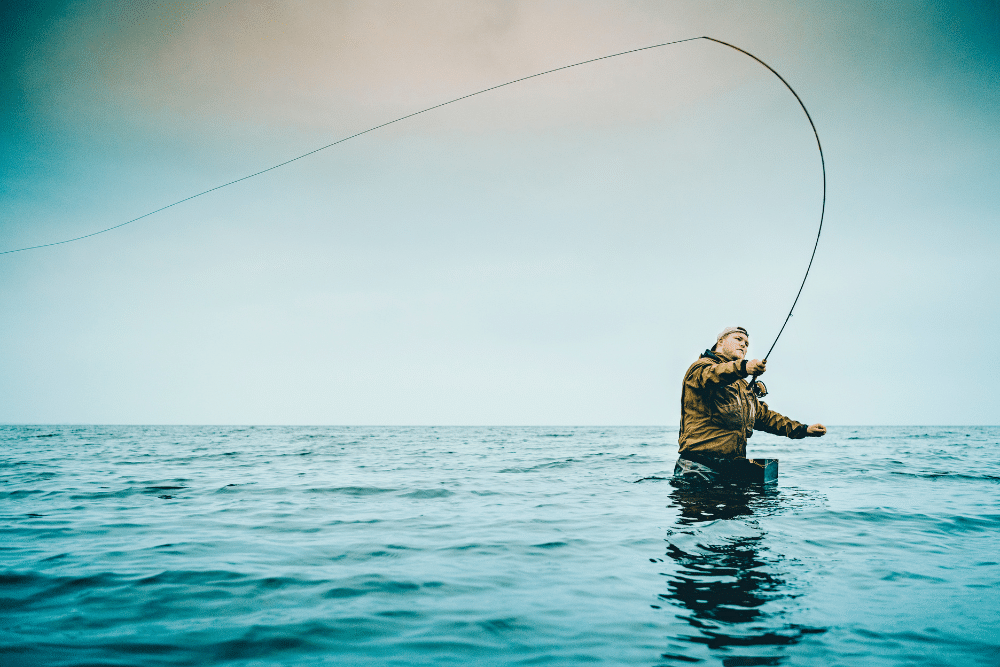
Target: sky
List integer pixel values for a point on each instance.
(553, 252)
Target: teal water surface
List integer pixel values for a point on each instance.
(492, 546)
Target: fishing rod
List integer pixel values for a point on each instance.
(480, 92)
(822, 212)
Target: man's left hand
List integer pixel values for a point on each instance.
(816, 431)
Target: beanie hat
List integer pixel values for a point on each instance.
(728, 330)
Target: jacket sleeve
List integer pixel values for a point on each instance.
(711, 374)
(770, 421)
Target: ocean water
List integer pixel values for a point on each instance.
(493, 546)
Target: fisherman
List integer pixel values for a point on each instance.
(720, 410)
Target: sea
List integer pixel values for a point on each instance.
(267, 545)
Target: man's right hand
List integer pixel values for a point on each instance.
(756, 367)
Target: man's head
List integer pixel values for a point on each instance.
(732, 343)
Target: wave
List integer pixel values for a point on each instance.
(352, 490)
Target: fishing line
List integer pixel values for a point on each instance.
(480, 92)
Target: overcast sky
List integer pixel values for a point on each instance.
(554, 252)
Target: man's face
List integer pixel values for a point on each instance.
(733, 346)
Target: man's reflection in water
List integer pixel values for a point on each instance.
(727, 582)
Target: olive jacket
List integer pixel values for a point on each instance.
(719, 411)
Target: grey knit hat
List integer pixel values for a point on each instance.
(728, 330)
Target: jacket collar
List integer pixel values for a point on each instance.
(708, 354)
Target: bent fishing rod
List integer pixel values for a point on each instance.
(822, 210)
(480, 92)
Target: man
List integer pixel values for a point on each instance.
(719, 411)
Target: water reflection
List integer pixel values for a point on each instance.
(727, 585)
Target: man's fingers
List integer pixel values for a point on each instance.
(816, 430)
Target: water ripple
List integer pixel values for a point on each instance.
(491, 545)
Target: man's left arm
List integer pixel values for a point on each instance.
(770, 421)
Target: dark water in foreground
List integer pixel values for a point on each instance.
(492, 546)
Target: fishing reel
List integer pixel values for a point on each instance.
(758, 388)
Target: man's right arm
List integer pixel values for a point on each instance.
(710, 374)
